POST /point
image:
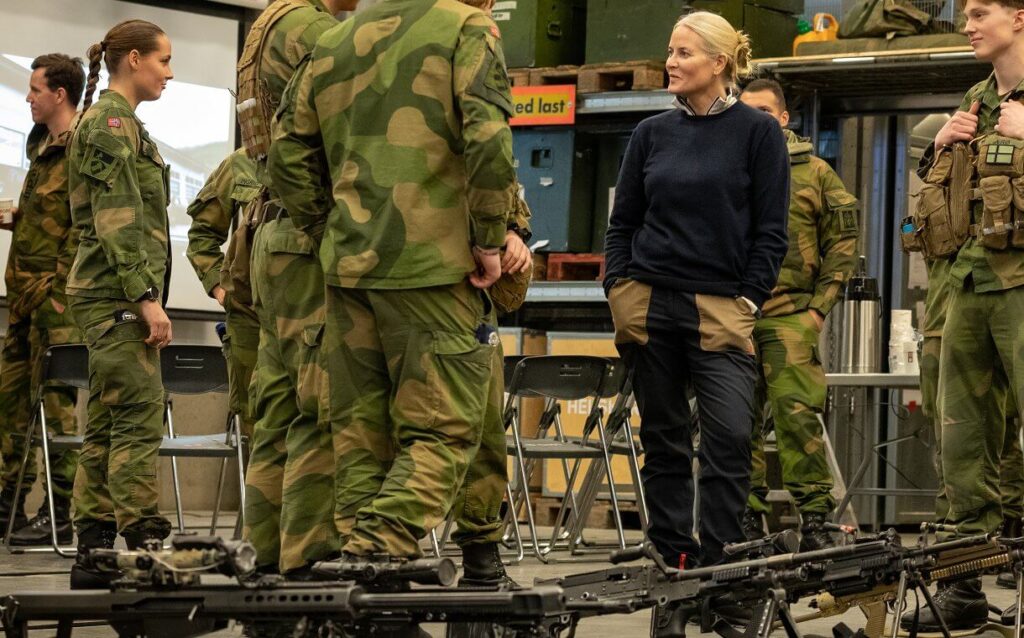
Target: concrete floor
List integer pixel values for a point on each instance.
(48, 572)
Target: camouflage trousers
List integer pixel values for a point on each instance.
(289, 513)
(411, 378)
(20, 377)
(240, 347)
(982, 361)
(792, 382)
(477, 509)
(1011, 459)
(116, 478)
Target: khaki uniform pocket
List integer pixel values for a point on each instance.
(630, 302)
(726, 323)
(997, 214)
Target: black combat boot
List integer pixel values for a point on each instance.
(1012, 528)
(753, 524)
(482, 567)
(961, 604)
(7, 506)
(813, 534)
(97, 535)
(37, 530)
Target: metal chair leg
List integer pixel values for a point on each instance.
(611, 487)
(174, 471)
(48, 478)
(526, 497)
(240, 451)
(29, 438)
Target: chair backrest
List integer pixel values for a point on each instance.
(192, 369)
(67, 364)
(562, 377)
(509, 369)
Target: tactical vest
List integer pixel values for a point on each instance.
(255, 104)
(1000, 187)
(941, 221)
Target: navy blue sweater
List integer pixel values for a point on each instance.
(701, 204)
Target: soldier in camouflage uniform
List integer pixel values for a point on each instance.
(409, 336)
(289, 513)
(982, 354)
(226, 192)
(118, 185)
(42, 249)
(823, 231)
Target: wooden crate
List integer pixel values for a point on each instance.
(519, 77)
(544, 76)
(575, 267)
(643, 75)
(574, 415)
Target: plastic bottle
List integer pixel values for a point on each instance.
(825, 27)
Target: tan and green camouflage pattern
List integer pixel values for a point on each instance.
(792, 383)
(404, 111)
(42, 249)
(289, 484)
(119, 197)
(43, 244)
(981, 362)
(407, 412)
(823, 229)
(116, 478)
(289, 507)
(1011, 459)
(228, 189)
(990, 270)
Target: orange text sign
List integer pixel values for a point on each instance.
(543, 105)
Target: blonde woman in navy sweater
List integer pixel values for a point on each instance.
(694, 245)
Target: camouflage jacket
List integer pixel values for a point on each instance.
(119, 184)
(393, 145)
(991, 269)
(823, 231)
(43, 245)
(232, 185)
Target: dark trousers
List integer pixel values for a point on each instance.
(673, 341)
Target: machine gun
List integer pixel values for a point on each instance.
(872, 571)
(163, 593)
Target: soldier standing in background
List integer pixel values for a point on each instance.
(227, 191)
(823, 232)
(289, 513)
(982, 354)
(117, 181)
(42, 250)
(406, 252)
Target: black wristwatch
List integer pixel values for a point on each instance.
(151, 294)
(523, 233)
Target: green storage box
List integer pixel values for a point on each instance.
(639, 30)
(611, 149)
(538, 33)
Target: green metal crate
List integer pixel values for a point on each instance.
(611, 148)
(538, 33)
(620, 31)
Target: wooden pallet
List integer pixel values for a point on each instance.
(565, 74)
(519, 77)
(643, 75)
(575, 267)
(600, 517)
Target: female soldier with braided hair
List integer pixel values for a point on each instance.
(118, 186)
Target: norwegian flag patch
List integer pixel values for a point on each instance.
(495, 31)
(114, 122)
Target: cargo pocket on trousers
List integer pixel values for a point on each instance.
(630, 301)
(458, 381)
(127, 369)
(726, 323)
(309, 385)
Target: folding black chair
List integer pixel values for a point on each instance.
(192, 370)
(616, 437)
(555, 379)
(61, 364)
